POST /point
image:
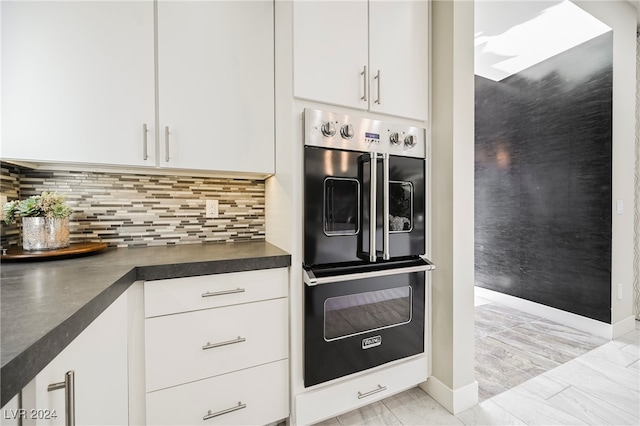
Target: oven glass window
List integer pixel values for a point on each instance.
(363, 312)
(400, 206)
(341, 206)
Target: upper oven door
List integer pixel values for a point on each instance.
(332, 205)
(406, 204)
(344, 190)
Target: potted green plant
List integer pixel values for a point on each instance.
(45, 220)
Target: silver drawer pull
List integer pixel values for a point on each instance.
(225, 343)
(223, 292)
(211, 415)
(69, 396)
(364, 78)
(145, 131)
(377, 77)
(371, 392)
(166, 144)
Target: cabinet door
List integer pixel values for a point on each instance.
(398, 35)
(98, 356)
(214, 341)
(253, 396)
(330, 52)
(11, 414)
(216, 85)
(77, 81)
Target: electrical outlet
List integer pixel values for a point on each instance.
(620, 287)
(211, 209)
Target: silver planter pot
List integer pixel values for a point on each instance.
(42, 233)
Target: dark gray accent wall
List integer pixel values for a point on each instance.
(543, 199)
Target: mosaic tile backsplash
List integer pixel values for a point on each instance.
(127, 210)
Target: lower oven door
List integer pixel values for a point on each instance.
(355, 324)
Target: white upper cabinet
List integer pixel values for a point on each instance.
(398, 56)
(77, 81)
(216, 85)
(368, 55)
(330, 52)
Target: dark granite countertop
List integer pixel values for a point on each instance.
(44, 305)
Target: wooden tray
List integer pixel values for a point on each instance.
(76, 249)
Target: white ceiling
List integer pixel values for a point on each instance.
(511, 36)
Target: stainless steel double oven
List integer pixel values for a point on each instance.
(364, 243)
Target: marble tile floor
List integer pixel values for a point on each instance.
(512, 347)
(567, 377)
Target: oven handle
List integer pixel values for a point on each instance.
(385, 206)
(373, 183)
(310, 278)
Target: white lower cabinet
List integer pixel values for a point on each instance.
(178, 295)
(216, 349)
(254, 396)
(97, 361)
(11, 413)
(336, 398)
(214, 341)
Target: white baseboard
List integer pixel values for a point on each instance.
(623, 327)
(599, 328)
(455, 401)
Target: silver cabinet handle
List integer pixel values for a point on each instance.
(364, 79)
(385, 208)
(166, 144)
(211, 415)
(223, 292)
(371, 392)
(225, 343)
(69, 397)
(377, 77)
(145, 132)
(372, 206)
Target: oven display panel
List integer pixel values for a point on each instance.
(372, 137)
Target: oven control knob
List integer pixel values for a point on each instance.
(328, 128)
(410, 141)
(346, 131)
(394, 138)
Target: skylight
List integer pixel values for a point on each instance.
(511, 36)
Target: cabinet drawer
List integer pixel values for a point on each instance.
(236, 337)
(332, 400)
(176, 295)
(263, 390)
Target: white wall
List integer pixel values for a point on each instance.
(636, 260)
(621, 16)
(452, 88)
